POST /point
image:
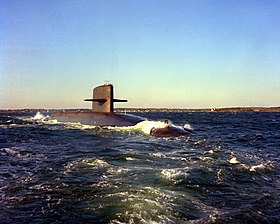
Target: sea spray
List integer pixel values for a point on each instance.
(39, 116)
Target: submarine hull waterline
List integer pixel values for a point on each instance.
(98, 119)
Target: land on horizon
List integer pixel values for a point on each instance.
(179, 110)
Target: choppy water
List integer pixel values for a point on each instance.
(227, 171)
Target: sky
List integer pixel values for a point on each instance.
(156, 53)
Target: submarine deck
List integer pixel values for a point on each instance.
(98, 118)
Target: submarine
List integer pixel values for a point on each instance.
(102, 114)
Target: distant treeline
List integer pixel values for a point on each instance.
(143, 110)
(234, 109)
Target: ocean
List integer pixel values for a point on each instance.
(226, 171)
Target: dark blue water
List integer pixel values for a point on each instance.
(227, 171)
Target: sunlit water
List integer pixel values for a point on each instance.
(227, 171)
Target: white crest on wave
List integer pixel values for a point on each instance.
(39, 116)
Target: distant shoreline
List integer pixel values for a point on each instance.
(233, 109)
(146, 110)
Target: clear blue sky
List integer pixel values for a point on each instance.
(157, 53)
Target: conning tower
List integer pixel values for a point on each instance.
(103, 99)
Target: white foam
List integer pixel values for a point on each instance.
(234, 160)
(83, 126)
(143, 126)
(257, 167)
(130, 159)
(146, 126)
(206, 159)
(95, 162)
(158, 154)
(145, 205)
(173, 174)
(39, 116)
(188, 127)
(11, 151)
